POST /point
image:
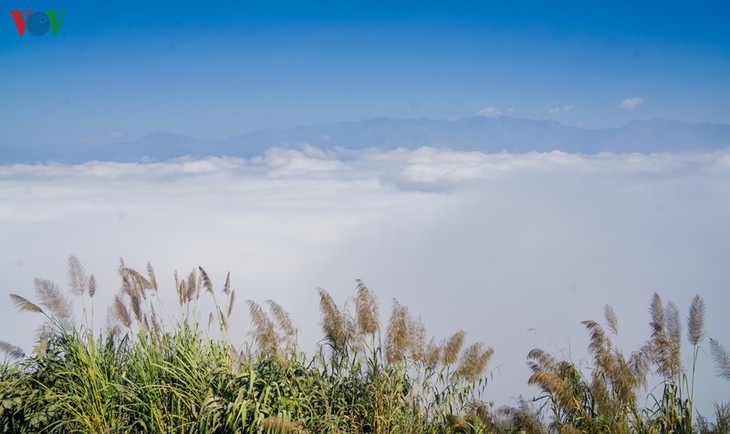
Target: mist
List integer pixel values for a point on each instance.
(515, 249)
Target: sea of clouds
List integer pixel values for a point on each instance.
(516, 249)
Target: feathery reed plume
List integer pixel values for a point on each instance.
(210, 319)
(639, 365)
(179, 289)
(278, 425)
(52, 299)
(366, 308)
(264, 332)
(549, 375)
(474, 362)
(282, 319)
(399, 338)
(334, 323)
(433, 354)
(193, 287)
(91, 287)
(231, 299)
(452, 348)
(24, 304)
(152, 277)
(76, 275)
(11, 350)
(722, 359)
(120, 312)
(227, 286)
(674, 335)
(696, 321)
(419, 350)
(611, 318)
(657, 316)
(206, 280)
(136, 303)
(140, 283)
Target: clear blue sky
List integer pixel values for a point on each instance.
(119, 70)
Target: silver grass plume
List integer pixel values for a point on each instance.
(140, 282)
(76, 275)
(193, 287)
(474, 362)
(152, 277)
(11, 350)
(52, 299)
(206, 280)
(452, 348)
(264, 332)
(722, 359)
(696, 321)
(231, 299)
(24, 304)
(334, 322)
(419, 350)
(282, 319)
(611, 318)
(120, 312)
(91, 287)
(674, 335)
(366, 308)
(227, 286)
(399, 338)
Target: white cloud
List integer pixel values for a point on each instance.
(559, 109)
(629, 104)
(490, 112)
(487, 243)
(509, 110)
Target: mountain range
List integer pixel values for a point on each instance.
(476, 133)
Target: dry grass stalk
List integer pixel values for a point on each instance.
(366, 307)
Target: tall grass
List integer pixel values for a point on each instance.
(156, 371)
(145, 375)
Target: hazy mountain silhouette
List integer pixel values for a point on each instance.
(469, 134)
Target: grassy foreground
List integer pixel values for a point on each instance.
(148, 376)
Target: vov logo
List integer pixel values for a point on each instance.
(38, 23)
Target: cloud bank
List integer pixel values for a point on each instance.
(516, 249)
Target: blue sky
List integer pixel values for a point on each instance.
(121, 70)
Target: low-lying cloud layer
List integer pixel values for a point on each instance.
(514, 249)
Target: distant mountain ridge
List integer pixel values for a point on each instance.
(469, 134)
